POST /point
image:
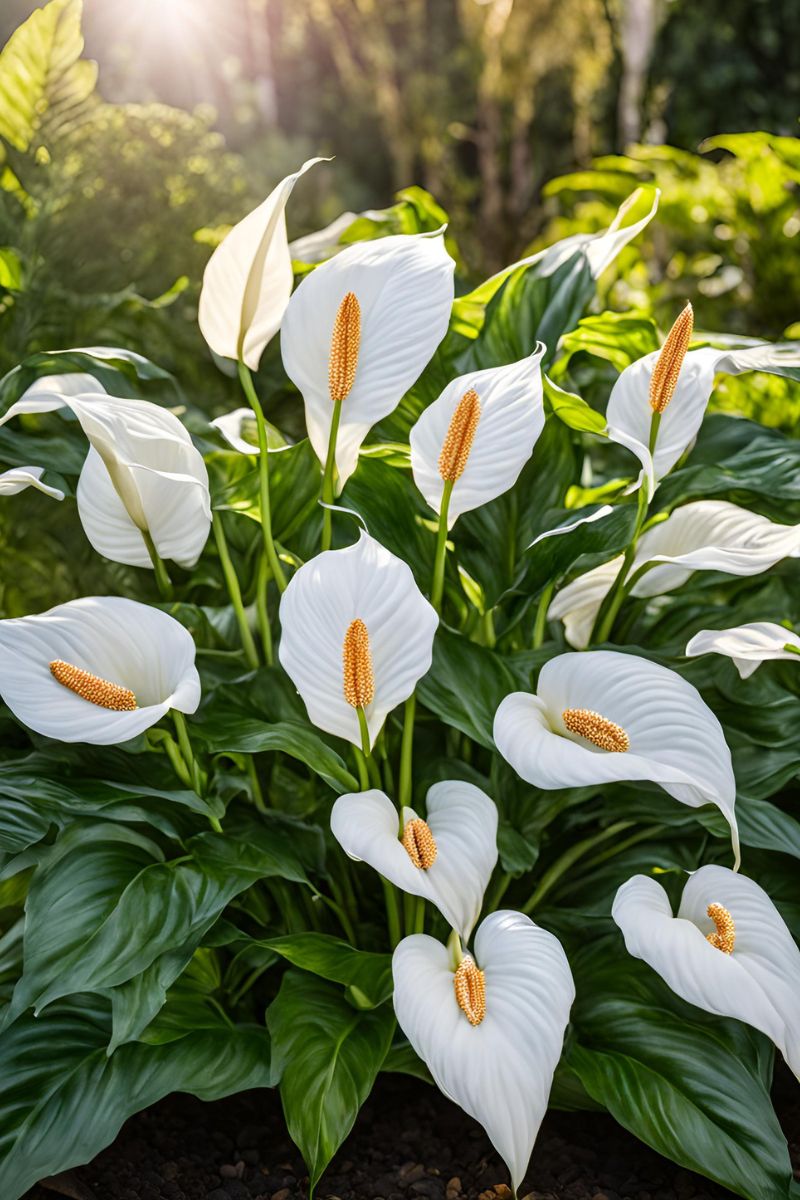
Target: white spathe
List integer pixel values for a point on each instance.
(404, 288)
(706, 535)
(500, 1071)
(118, 640)
(142, 472)
(759, 982)
(16, 479)
(463, 821)
(248, 279)
(234, 426)
(511, 420)
(675, 739)
(362, 582)
(629, 413)
(748, 645)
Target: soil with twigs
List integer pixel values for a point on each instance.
(409, 1143)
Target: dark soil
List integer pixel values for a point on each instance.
(409, 1143)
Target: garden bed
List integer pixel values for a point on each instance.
(410, 1143)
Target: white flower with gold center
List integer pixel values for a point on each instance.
(470, 445)
(142, 478)
(359, 330)
(489, 1026)
(748, 645)
(602, 717)
(674, 385)
(447, 858)
(706, 535)
(728, 950)
(16, 479)
(356, 635)
(248, 279)
(101, 669)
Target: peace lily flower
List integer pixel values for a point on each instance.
(447, 858)
(142, 480)
(658, 403)
(470, 445)
(748, 645)
(357, 333)
(17, 479)
(101, 669)
(248, 279)
(490, 1028)
(728, 951)
(707, 535)
(603, 717)
(239, 430)
(357, 634)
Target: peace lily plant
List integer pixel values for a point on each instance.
(337, 763)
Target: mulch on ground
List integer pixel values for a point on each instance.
(409, 1143)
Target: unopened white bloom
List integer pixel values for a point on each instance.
(706, 535)
(101, 669)
(358, 331)
(356, 634)
(15, 480)
(728, 950)
(142, 473)
(748, 645)
(447, 858)
(490, 1028)
(478, 435)
(603, 716)
(248, 279)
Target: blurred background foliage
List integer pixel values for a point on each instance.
(525, 119)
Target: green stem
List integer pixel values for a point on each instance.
(392, 912)
(363, 775)
(328, 478)
(568, 858)
(419, 916)
(498, 891)
(163, 581)
(406, 752)
(246, 380)
(437, 587)
(262, 613)
(342, 916)
(235, 593)
(540, 624)
(255, 785)
(196, 774)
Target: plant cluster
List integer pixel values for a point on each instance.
(453, 736)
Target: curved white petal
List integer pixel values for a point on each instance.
(511, 419)
(629, 413)
(603, 511)
(578, 604)
(711, 535)
(17, 479)
(366, 582)
(748, 645)
(157, 473)
(404, 286)
(758, 983)
(239, 430)
(463, 821)
(500, 1071)
(248, 279)
(317, 246)
(675, 739)
(104, 517)
(120, 640)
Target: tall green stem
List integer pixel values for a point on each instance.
(437, 587)
(406, 751)
(235, 593)
(540, 624)
(163, 581)
(246, 380)
(196, 774)
(568, 858)
(328, 478)
(262, 613)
